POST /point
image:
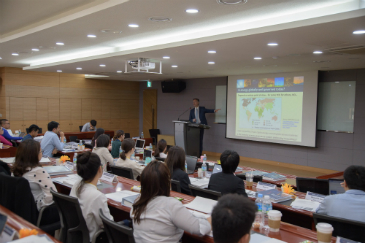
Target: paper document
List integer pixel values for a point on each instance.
(257, 238)
(118, 196)
(305, 204)
(8, 160)
(202, 205)
(34, 239)
(202, 183)
(250, 193)
(199, 215)
(44, 160)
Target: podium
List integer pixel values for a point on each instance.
(187, 136)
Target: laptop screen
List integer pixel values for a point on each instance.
(147, 153)
(191, 162)
(335, 186)
(217, 168)
(140, 143)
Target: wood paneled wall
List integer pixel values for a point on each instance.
(28, 97)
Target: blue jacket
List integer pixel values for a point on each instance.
(202, 112)
(7, 136)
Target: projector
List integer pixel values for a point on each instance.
(144, 64)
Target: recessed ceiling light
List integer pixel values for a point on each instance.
(192, 10)
(15, 54)
(257, 58)
(35, 49)
(119, 71)
(59, 71)
(133, 25)
(102, 65)
(211, 63)
(228, 2)
(317, 52)
(358, 32)
(91, 36)
(272, 44)
(166, 57)
(0, 58)
(174, 66)
(60, 43)
(79, 68)
(160, 19)
(212, 51)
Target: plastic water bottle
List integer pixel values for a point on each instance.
(75, 161)
(186, 167)
(151, 146)
(204, 169)
(142, 136)
(64, 140)
(132, 157)
(259, 201)
(205, 158)
(120, 150)
(266, 204)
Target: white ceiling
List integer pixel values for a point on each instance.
(238, 33)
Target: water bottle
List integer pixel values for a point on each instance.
(64, 140)
(120, 150)
(258, 202)
(204, 169)
(205, 158)
(151, 146)
(75, 161)
(142, 136)
(186, 167)
(132, 157)
(266, 204)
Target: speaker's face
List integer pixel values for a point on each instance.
(196, 103)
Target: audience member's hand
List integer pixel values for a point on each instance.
(54, 151)
(210, 220)
(62, 134)
(194, 120)
(342, 184)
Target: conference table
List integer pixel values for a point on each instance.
(16, 222)
(7, 151)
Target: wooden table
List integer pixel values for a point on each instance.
(337, 175)
(7, 151)
(17, 222)
(83, 135)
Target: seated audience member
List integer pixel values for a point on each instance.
(351, 204)
(2, 139)
(117, 143)
(175, 161)
(98, 132)
(161, 148)
(51, 143)
(156, 216)
(32, 132)
(90, 169)
(101, 149)
(27, 165)
(226, 181)
(124, 160)
(232, 219)
(89, 126)
(7, 131)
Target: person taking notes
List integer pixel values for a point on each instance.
(32, 132)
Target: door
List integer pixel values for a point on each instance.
(149, 111)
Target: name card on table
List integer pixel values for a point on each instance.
(109, 177)
(315, 197)
(69, 165)
(7, 234)
(265, 186)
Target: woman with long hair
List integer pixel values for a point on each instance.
(175, 161)
(102, 150)
(89, 168)
(161, 148)
(117, 143)
(156, 216)
(98, 132)
(125, 161)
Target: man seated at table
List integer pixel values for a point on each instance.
(226, 181)
(7, 131)
(351, 204)
(232, 219)
(51, 143)
(89, 126)
(32, 132)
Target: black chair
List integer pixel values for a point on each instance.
(73, 225)
(127, 135)
(40, 130)
(116, 232)
(4, 168)
(80, 127)
(122, 171)
(197, 191)
(175, 185)
(153, 134)
(160, 159)
(256, 178)
(73, 139)
(350, 229)
(320, 186)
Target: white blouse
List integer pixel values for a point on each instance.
(104, 155)
(136, 167)
(91, 200)
(162, 155)
(40, 185)
(165, 220)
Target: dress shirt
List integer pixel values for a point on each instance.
(227, 183)
(104, 156)
(91, 200)
(348, 205)
(40, 185)
(136, 167)
(28, 136)
(7, 136)
(4, 141)
(165, 220)
(197, 115)
(162, 155)
(49, 142)
(86, 128)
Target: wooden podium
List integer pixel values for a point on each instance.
(187, 136)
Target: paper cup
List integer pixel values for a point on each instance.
(1, 145)
(274, 220)
(324, 232)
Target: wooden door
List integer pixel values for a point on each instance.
(149, 111)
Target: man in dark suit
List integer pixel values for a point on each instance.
(226, 182)
(197, 115)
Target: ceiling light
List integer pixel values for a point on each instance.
(79, 68)
(60, 43)
(317, 52)
(35, 49)
(102, 65)
(166, 57)
(174, 66)
(272, 44)
(211, 63)
(133, 25)
(257, 58)
(0, 58)
(337, 82)
(59, 71)
(119, 71)
(358, 32)
(229, 2)
(212, 52)
(160, 19)
(91, 36)
(191, 10)
(15, 54)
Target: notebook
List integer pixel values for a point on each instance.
(273, 177)
(201, 204)
(276, 195)
(129, 201)
(58, 170)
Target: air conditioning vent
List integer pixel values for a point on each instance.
(348, 50)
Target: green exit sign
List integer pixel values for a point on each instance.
(149, 84)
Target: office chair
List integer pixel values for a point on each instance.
(40, 130)
(197, 191)
(116, 232)
(320, 186)
(73, 139)
(153, 135)
(256, 178)
(122, 171)
(350, 229)
(175, 185)
(127, 135)
(80, 127)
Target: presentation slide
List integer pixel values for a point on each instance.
(279, 108)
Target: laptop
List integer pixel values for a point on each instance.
(147, 153)
(217, 168)
(335, 186)
(139, 144)
(191, 163)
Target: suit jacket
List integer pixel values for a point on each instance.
(182, 176)
(202, 112)
(226, 183)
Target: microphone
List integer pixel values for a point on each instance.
(183, 113)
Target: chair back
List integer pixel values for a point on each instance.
(175, 185)
(80, 127)
(127, 135)
(73, 138)
(153, 134)
(73, 225)
(350, 229)
(197, 191)
(116, 232)
(122, 171)
(256, 178)
(320, 186)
